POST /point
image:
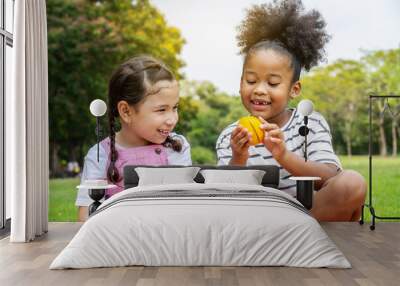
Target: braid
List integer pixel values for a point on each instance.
(175, 144)
(112, 172)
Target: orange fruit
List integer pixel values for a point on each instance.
(252, 124)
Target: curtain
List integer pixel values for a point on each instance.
(27, 167)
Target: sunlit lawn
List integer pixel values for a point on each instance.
(386, 188)
(385, 182)
(62, 199)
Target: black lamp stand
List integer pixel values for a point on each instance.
(304, 186)
(96, 195)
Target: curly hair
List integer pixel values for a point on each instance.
(285, 27)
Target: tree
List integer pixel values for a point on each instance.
(349, 80)
(383, 77)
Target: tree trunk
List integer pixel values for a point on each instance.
(81, 156)
(54, 160)
(73, 153)
(348, 146)
(348, 138)
(382, 136)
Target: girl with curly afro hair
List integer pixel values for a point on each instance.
(278, 40)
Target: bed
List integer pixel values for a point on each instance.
(202, 222)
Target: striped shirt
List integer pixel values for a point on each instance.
(319, 146)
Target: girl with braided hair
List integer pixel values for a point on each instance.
(143, 96)
(278, 40)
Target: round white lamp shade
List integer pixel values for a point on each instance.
(98, 107)
(305, 107)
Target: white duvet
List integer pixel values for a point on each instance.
(201, 224)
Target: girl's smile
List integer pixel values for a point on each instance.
(164, 133)
(260, 104)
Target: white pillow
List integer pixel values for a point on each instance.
(249, 177)
(166, 176)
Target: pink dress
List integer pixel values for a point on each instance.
(144, 155)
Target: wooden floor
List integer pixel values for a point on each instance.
(374, 255)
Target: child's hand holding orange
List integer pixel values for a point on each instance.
(274, 139)
(247, 133)
(240, 143)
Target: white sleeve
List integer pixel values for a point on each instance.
(319, 146)
(183, 157)
(92, 170)
(223, 146)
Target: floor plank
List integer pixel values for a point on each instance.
(374, 255)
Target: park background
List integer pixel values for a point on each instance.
(88, 39)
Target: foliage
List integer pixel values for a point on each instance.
(201, 155)
(86, 41)
(216, 111)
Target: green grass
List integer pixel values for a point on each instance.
(385, 183)
(62, 199)
(386, 189)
